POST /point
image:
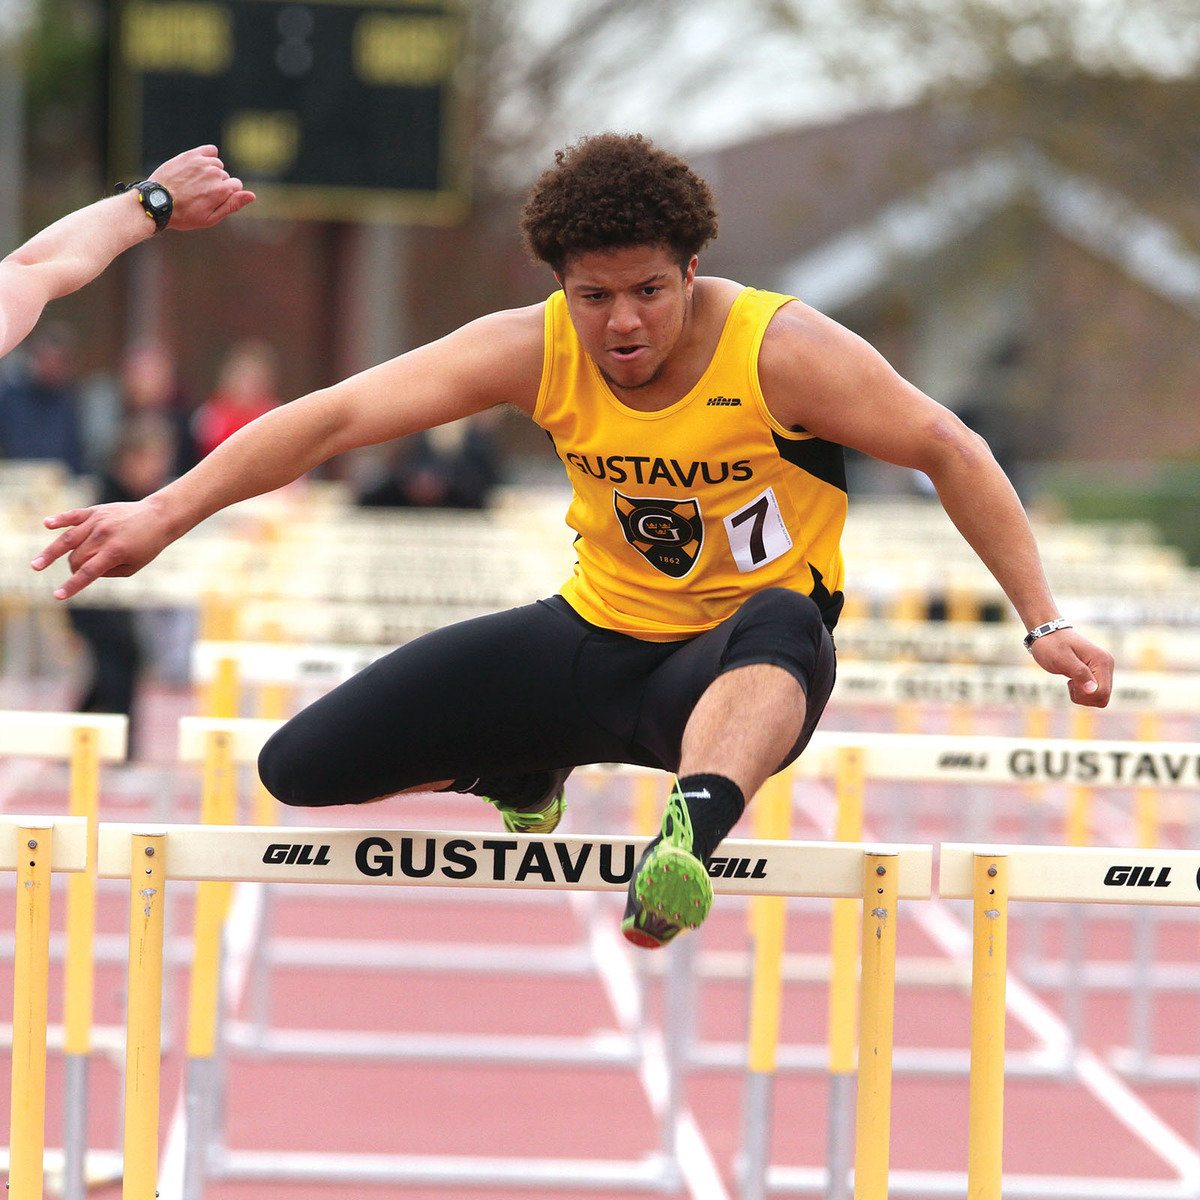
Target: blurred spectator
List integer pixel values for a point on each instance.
(147, 381)
(150, 385)
(246, 388)
(140, 464)
(451, 466)
(39, 401)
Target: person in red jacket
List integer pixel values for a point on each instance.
(246, 388)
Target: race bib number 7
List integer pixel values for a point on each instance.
(756, 532)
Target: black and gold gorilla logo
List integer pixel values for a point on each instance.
(667, 533)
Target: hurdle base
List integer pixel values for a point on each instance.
(655, 1171)
(102, 1168)
(814, 1181)
(604, 1049)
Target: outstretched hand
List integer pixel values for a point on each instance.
(1088, 667)
(202, 190)
(104, 540)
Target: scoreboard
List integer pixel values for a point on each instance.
(331, 109)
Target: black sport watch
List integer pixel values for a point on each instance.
(154, 199)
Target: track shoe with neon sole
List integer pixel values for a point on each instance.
(670, 891)
(545, 814)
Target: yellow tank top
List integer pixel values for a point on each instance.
(683, 513)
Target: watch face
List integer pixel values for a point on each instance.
(156, 198)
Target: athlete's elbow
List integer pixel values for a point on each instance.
(953, 447)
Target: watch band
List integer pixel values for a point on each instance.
(1041, 631)
(155, 200)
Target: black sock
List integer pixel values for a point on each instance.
(714, 804)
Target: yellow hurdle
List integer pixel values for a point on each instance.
(849, 783)
(273, 701)
(985, 1148)
(79, 968)
(218, 807)
(1146, 807)
(878, 990)
(646, 814)
(78, 983)
(768, 929)
(773, 820)
(1079, 803)
(31, 981)
(843, 1007)
(144, 1017)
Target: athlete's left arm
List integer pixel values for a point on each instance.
(818, 376)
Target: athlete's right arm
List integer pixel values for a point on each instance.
(494, 360)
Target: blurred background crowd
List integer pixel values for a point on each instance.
(999, 196)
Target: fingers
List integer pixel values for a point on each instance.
(67, 541)
(87, 559)
(235, 202)
(1088, 668)
(210, 203)
(1087, 694)
(1090, 682)
(78, 581)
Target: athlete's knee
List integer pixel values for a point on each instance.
(792, 611)
(293, 773)
(782, 628)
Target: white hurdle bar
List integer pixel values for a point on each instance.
(1028, 687)
(437, 858)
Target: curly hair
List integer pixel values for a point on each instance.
(613, 190)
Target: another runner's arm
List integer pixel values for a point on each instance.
(819, 376)
(76, 248)
(493, 360)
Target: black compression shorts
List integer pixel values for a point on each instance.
(530, 689)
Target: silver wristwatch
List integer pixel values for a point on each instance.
(1041, 631)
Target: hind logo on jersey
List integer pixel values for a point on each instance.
(667, 533)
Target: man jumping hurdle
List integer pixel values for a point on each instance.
(701, 424)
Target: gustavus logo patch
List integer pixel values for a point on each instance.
(667, 533)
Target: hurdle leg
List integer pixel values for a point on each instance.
(988, 977)
(679, 1005)
(1148, 832)
(877, 1006)
(221, 698)
(773, 812)
(79, 974)
(31, 998)
(273, 701)
(201, 1089)
(143, 1046)
(843, 979)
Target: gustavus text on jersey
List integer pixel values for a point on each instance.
(641, 468)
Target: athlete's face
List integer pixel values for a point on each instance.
(630, 308)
